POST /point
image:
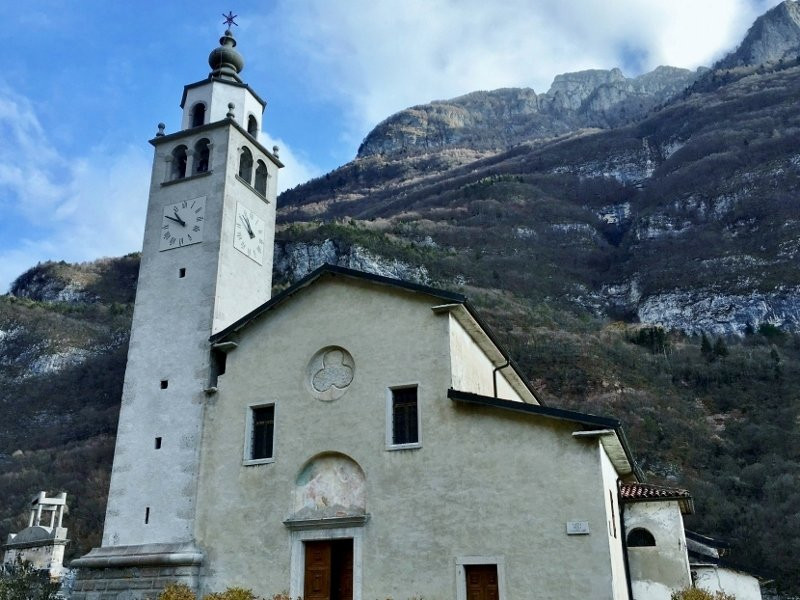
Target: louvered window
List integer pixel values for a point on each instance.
(405, 424)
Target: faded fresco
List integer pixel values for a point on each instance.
(330, 485)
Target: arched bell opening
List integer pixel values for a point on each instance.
(246, 165)
(202, 156)
(261, 178)
(252, 126)
(198, 114)
(179, 160)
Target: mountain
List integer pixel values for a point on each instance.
(774, 36)
(502, 118)
(684, 218)
(605, 229)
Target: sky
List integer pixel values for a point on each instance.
(85, 83)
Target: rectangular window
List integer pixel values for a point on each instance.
(262, 431)
(404, 418)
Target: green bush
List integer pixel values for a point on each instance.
(700, 594)
(22, 581)
(177, 591)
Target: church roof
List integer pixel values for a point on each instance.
(449, 301)
(648, 492)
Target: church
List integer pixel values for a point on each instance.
(354, 437)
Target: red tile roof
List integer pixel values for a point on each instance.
(643, 492)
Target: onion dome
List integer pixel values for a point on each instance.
(225, 61)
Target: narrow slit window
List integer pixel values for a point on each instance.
(263, 431)
(164, 384)
(181, 272)
(147, 515)
(252, 126)
(158, 443)
(405, 422)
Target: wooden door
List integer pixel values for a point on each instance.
(329, 570)
(317, 585)
(342, 570)
(481, 582)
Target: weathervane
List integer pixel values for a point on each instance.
(229, 18)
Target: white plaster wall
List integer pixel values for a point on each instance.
(49, 557)
(484, 483)
(613, 527)
(657, 571)
(173, 318)
(216, 95)
(472, 369)
(243, 284)
(720, 579)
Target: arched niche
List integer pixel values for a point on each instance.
(330, 486)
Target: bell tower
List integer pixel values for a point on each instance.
(206, 261)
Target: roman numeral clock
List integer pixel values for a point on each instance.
(182, 223)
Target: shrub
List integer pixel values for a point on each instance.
(21, 581)
(233, 593)
(177, 591)
(700, 594)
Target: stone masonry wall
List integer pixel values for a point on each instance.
(131, 583)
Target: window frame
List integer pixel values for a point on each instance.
(248, 434)
(390, 445)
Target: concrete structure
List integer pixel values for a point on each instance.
(206, 259)
(656, 544)
(355, 437)
(709, 571)
(43, 541)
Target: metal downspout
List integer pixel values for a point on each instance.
(494, 374)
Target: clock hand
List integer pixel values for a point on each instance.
(175, 220)
(178, 218)
(249, 229)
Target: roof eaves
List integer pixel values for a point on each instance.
(535, 409)
(239, 83)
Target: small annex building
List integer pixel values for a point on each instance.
(355, 436)
(43, 541)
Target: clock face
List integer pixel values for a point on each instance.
(182, 223)
(248, 235)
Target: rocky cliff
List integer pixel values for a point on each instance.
(774, 36)
(502, 118)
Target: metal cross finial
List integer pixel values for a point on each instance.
(229, 18)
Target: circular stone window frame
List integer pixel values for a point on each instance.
(317, 364)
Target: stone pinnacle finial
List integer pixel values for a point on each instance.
(230, 114)
(225, 61)
(161, 128)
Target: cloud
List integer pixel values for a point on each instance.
(59, 207)
(375, 58)
(297, 169)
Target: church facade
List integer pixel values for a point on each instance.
(354, 437)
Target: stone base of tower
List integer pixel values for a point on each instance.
(135, 572)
